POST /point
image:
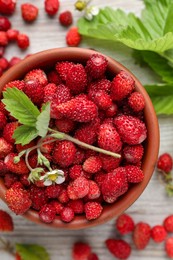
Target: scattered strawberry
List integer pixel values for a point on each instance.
(47, 213)
(141, 235)
(119, 248)
(23, 41)
(81, 251)
(18, 168)
(73, 38)
(12, 34)
(134, 174)
(5, 23)
(6, 222)
(124, 224)
(13, 61)
(65, 18)
(92, 164)
(7, 7)
(29, 12)
(93, 210)
(93, 256)
(165, 162)
(168, 223)
(3, 38)
(51, 6)
(4, 63)
(169, 247)
(18, 200)
(136, 101)
(37, 74)
(158, 233)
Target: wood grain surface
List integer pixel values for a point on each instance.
(153, 205)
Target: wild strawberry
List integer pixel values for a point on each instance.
(99, 178)
(93, 256)
(20, 147)
(3, 38)
(47, 147)
(169, 247)
(78, 109)
(3, 169)
(76, 171)
(23, 41)
(112, 110)
(93, 210)
(10, 179)
(79, 156)
(51, 6)
(124, 224)
(114, 185)
(57, 205)
(53, 191)
(92, 165)
(158, 233)
(122, 85)
(101, 99)
(133, 153)
(80, 187)
(136, 101)
(77, 206)
(4, 64)
(24, 180)
(168, 223)
(29, 12)
(53, 77)
(14, 84)
(101, 84)
(9, 131)
(18, 168)
(131, 130)
(6, 222)
(2, 108)
(18, 200)
(165, 162)
(38, 197)
(64, 125)
(67, 214)
(71, 192)
(12, 34)
(63, 67)
(7, 7)
(141, 235)
(3, 120)
(64, 153)
(118, 248)
(109, 139)
(94, 190)
(47, 213)
(81, 251)
(73, 38)
(5, 23)
(13, 61)
(65, 18)
(109, 163)
(96, 66)
(34, 90)
(49, 90)
(134, 174)
(37, 74)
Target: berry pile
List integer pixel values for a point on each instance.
(92, 108)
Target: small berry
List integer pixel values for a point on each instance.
(73, 38)
(141, 235)
(134, 174)
(3, 120)
(136, 101)
(14, 84)
(65, 18)
(6, 222)
(165, 162)
(118, 248)
(64, 125)
(96, 66)
(76, 171)
(53, 191)
(7, 7)
(12, 34)
(77, 206)
(5, 23)
(81, 187)
(81, 251)
(168, 223)
(93, 210)
(3, 38)
(51, 6)
(53, 77)
(38, 74)
(29, 12)
(158, 233)
(79, 156)
(10, 179)
(4, 64)
(23, 41)
(92, 164)
(133, 153)
(34, 90)
(57, 205)
(38, 197)
(94, 190)
(109, 163)
(13, 61)
(63, 67)
(47, 213)
(18, 168)
(93, 256)
(169, 247)
(5, 148)
(101, 99)
(67, 214)
(124, 224)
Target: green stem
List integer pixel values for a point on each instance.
(7, 246)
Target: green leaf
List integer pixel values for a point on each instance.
(32, 252)
(153, 31)
(25, 134)
(43, 120)
(20, 106)
(162, 98)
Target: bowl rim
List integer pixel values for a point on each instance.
(152, 148)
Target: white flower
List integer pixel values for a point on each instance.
(55, 176)
(90, 12)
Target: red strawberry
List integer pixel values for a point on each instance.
(118, 248)
(64, 125)
(67, 214)
(94, 190)
(51, 6)
(34, 90)
(66, 18)
(109, 139)
(100, 98)
(53, 191)
(114, 185)
(109, 163)
(101, 84)
(53, 77)
(5, 23)
(81, 251)
(57, 205)
(76, 171)
(18, 168)
(96, 66)
(99, 178)
(47, 147)
(133, 153)
(93, 210)
(165, 162)
(134, 174)
(169, 247)
(64, 153)
(47, 213)
(29, 12)
(136, 101)
(141, 235)
(14, 84)
(3, 169)
(71, 192)
(81, 187)
(7, 7)
(122, 85)
(38, 197)
(168, 223)
(131, 130)
(10, 179)
(5, 147)
(77, 206)
(79, 156)
(6, 222)
(23, 41)
(9, 131)
(49, 91)
(37, 74)
(92, 164)
(124, 224)
(78, 109)
(63, 67)
(93, 256)
(18, 200)
(12, 34)
(73, 38)
(158, 233)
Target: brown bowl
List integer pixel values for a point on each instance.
(49, 58)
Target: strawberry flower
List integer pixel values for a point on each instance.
(55, 176)
(90, 12)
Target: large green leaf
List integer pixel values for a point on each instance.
(43, 120)
(32, 252)
(25, 134)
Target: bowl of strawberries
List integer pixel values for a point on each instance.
(79, 138)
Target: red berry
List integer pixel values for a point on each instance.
(3, 120)
(112, 110)
(34, 90)
(118, 248)
(57, 205)
(7, 7)
(92, 164)
(12, 34)
(81, 187)
(38, 74)
(51, 6)
(73, 38)
(23, 41)
(29, 12)
(96, 66)
(4, 64)
(101, 99)
(93, 256)
(6, 222)
(93, 210)
(64, 125)
(79, 156)
(76, 171)
(158, 233)
(67, 214)
(169, 247)
(38, 197)
(18, 168)
(5, 23)
(168, 223)
(136, 101)
(53, 77)
(13, 61)
(133, 153)
(134, 174)
(65, 18)
(63, 67)
(3, 38)
(81, 251)
(100, 84)
(94, 190)
(9, 131)
(165, 162)
(109, 163)
(99, 178)
(5, 147)
(77, 206)
(53, 191)
(10, 179)
(14, 84)
(124, 224)
(141, 235)
(47, 213)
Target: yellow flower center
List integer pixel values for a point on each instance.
(53, 177)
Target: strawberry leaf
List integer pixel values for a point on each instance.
(43, 120)
(34, 252)
(25, 134)
(20, 106)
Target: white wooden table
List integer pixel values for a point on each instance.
(152, 206)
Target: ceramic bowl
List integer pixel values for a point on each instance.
(48, 58)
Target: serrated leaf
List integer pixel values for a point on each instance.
(43, 120)
(32, 252)
(20, 106)
(25, 134)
